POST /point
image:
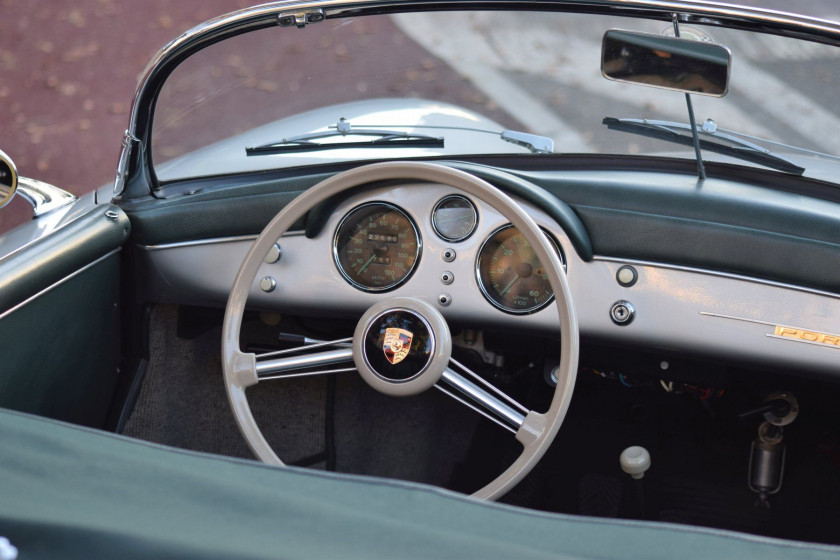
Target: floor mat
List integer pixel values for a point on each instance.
(182, 401)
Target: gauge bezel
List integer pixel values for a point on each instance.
(434, 216)
(483, 288)
(418, 253)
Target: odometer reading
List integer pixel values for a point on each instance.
(510, 275)
(376, 247)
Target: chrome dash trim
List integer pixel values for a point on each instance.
(59, 283)
(729, 275)
(210, 241)
(777, 326)
(197, 243)
(744, 319)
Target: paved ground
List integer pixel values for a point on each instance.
(69, 69)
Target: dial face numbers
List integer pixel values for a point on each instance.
(510, 275)
(454, 218)
(376, 247)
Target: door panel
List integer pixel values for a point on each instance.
(60, 319)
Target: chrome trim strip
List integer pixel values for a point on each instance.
(729, 275)
(746, 320)
(697, 11)
(197, 243)
(59, 283)
(210, 241)
(775, 326)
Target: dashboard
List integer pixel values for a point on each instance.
(430, 241)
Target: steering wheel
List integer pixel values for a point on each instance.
(409, 327)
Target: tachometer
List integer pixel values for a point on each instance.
(376, 247)
(510, 275)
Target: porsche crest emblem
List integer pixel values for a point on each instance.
(397, 344)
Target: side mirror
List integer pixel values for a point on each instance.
(666, 62)
(8, 179)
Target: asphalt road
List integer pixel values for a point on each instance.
(70, 68)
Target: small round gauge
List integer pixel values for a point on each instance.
(454, 218)
(510, 275)
(376, 247)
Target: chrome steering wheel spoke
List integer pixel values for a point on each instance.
(303, 362)
(481, 396)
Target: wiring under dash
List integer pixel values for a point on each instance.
(698, 392)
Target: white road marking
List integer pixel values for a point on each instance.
(498, 44)
(479, 67)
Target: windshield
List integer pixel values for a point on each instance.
(463, 79)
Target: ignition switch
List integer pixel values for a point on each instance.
(622, 313)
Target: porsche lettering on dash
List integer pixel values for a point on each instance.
(397, 344)
(813, 337)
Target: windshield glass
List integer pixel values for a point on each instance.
(425, 84)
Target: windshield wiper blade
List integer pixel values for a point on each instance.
(673, 132)
(384, 139)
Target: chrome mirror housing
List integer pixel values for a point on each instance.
(8, 179)
(43, 197)
(674, 63)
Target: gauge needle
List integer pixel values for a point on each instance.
(505, 290)
(364, 266)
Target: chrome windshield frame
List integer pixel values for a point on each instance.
(135, 177)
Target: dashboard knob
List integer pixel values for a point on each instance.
(267, 284)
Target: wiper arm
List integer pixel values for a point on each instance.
(673, 132)
(385, 139)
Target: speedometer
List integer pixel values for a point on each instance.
(376, 247)
(510, 275)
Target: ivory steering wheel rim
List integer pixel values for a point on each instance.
(536, 432)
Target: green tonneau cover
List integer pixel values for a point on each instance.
(69, 492)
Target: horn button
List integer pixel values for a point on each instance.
(401, 346)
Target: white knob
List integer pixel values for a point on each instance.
(635, 461)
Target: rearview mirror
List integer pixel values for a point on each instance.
(8, 179)
(666, 62)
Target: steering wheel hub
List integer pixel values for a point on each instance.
(401, 346)
(398, 345)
